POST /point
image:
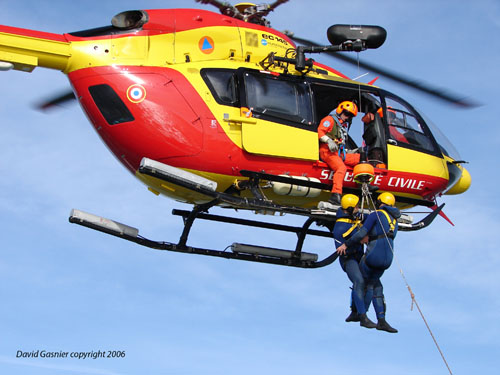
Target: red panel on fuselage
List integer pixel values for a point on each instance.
(165, 124)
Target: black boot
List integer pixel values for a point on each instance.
(382, 325)
(353, 317)
(365, 322)
(335, 199)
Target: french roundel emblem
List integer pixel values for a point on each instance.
(136, 93)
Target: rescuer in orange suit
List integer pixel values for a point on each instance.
(332, 134)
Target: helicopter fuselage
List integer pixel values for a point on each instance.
(193, 89)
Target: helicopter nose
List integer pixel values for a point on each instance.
(462, 184)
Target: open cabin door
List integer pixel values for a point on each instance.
(370, 135)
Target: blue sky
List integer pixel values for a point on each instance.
(64, 287)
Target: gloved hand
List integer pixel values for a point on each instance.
(369, 117)
(332, 146)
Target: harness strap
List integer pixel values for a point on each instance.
(392, 223)
(338, 133)
(355, 223)
(341, 151)
(392, 227)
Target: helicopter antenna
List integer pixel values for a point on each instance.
(247, 12)
(360, 76)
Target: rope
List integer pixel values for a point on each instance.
(359, 86)
(366, 193)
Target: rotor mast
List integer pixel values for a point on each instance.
(248, 12)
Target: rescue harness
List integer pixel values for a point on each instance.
(339, 134)
(392, 227)
(355, 224)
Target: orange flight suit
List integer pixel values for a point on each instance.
(328, 126)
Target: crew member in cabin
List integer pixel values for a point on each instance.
(333, 135)
(381, 227)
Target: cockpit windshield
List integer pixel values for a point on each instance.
(446, 146)
(405, 128)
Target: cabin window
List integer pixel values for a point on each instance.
(405, 128)
(222, 84)
(278, 99)
(110, 105)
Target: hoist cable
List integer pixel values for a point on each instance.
(366, 193)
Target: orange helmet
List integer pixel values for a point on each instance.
(390, 111)
(348, 107)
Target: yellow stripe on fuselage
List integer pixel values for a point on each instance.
(410, 161)
(228, 42)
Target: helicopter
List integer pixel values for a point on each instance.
(220, 109)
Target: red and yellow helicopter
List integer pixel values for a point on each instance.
(222, 110)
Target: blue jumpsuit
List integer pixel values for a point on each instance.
(350, 261)
(379, 251)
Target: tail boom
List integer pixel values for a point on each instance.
(27, 49)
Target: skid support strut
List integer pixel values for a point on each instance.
(296, 258)
(190, 218)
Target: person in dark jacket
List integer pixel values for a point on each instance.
(346, 226)
(381, 227)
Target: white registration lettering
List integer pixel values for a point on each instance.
(377, 180)
(324, 174)
(405, 183)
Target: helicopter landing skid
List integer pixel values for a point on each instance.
(295, 258)
(239, 251)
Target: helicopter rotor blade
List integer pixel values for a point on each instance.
(397, 77)
(56, 101)
(273, 6)
(224, 7)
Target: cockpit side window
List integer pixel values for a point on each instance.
(405, 128)
(112, 108)
(223, 85)
(279, 99)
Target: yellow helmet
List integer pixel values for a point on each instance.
(349, 200)
(387, 198)
(347, 106)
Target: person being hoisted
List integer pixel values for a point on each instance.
(381, 227)
(346, 226)
(333, 135)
